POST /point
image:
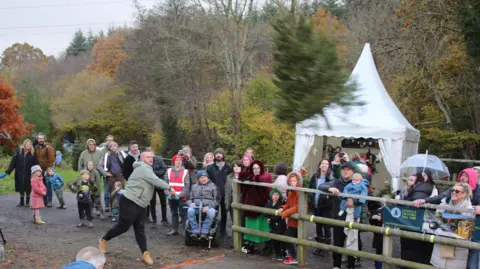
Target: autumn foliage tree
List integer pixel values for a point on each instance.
(108, 53)
(12, 125)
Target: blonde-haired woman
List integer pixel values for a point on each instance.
(208, 160)
(22, 161)
(449, 256)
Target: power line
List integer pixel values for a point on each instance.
(61, 25)
(70, 5)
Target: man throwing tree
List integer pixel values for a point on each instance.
(133, 204)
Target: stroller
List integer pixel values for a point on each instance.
(212, 235)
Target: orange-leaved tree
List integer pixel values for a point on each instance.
(12, 124)
(327, 24)
(108, 53)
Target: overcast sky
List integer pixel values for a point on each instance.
(50, 24)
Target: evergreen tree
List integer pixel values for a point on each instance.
(110, 31)
(91, 40)
(101, 34)
(469, 18)
(334, 6)
(78, 147)
(307, 72)
(34, 108)
(79, 44)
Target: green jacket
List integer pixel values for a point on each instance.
(141, 184)
(75, 185)
(88, 156)
(229, 191)
(95, 176)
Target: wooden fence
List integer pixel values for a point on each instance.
(303, 219)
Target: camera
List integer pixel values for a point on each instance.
(182, 152)
(341, 154)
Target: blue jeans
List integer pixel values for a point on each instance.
(357, 210)
(473, 259)
(207, 223)
(106, 193)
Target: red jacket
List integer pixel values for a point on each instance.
(255, 195)
(291, 207)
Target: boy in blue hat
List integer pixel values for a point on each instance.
(56, 181)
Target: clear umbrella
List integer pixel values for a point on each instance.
(421, 162)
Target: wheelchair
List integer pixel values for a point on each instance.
(211, 239)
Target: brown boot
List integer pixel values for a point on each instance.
(38, 220)
(102, 245)
(147, 259)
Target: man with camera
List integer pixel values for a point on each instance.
(189, 162)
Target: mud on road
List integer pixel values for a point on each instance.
(56, 243)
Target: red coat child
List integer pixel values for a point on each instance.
(38, 191)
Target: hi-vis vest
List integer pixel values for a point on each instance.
(178, 182)
(105, 160)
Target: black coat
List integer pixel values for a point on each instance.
(219, 177)
(127, 168)
(277, 224)
(324, 201)
(420, 191)
(338, 183)
(22, 164)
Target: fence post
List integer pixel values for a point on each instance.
(302, 228)
(237, 221)
(387, 250)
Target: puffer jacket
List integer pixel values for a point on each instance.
(420, 191)
(206, 194)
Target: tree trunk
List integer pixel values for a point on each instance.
(444, 109)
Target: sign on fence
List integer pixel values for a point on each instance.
(476, 235)
(440, 223)
(404, 217)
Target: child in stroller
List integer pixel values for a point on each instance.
(202, 211)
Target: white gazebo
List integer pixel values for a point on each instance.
(379, 118)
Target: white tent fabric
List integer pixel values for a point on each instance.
(304, 143)
(378, 118)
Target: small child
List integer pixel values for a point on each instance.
(58, 158)
(294, 179)
(359, 186)
(56, 181)
(38, 192)
(96, 201)
(85, 188)
(116, 194)
(277, 224)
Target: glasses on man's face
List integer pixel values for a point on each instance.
(457, 191)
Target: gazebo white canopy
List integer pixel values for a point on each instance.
(378, 118)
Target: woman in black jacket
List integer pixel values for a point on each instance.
(414, 250)
(22, 162)
(321, 204)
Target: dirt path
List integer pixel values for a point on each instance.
(56, 243)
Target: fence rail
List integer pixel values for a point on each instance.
(354, 196)
(386, 257)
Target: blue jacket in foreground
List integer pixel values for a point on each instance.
(79, 265)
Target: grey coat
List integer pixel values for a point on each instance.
(207, 194)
